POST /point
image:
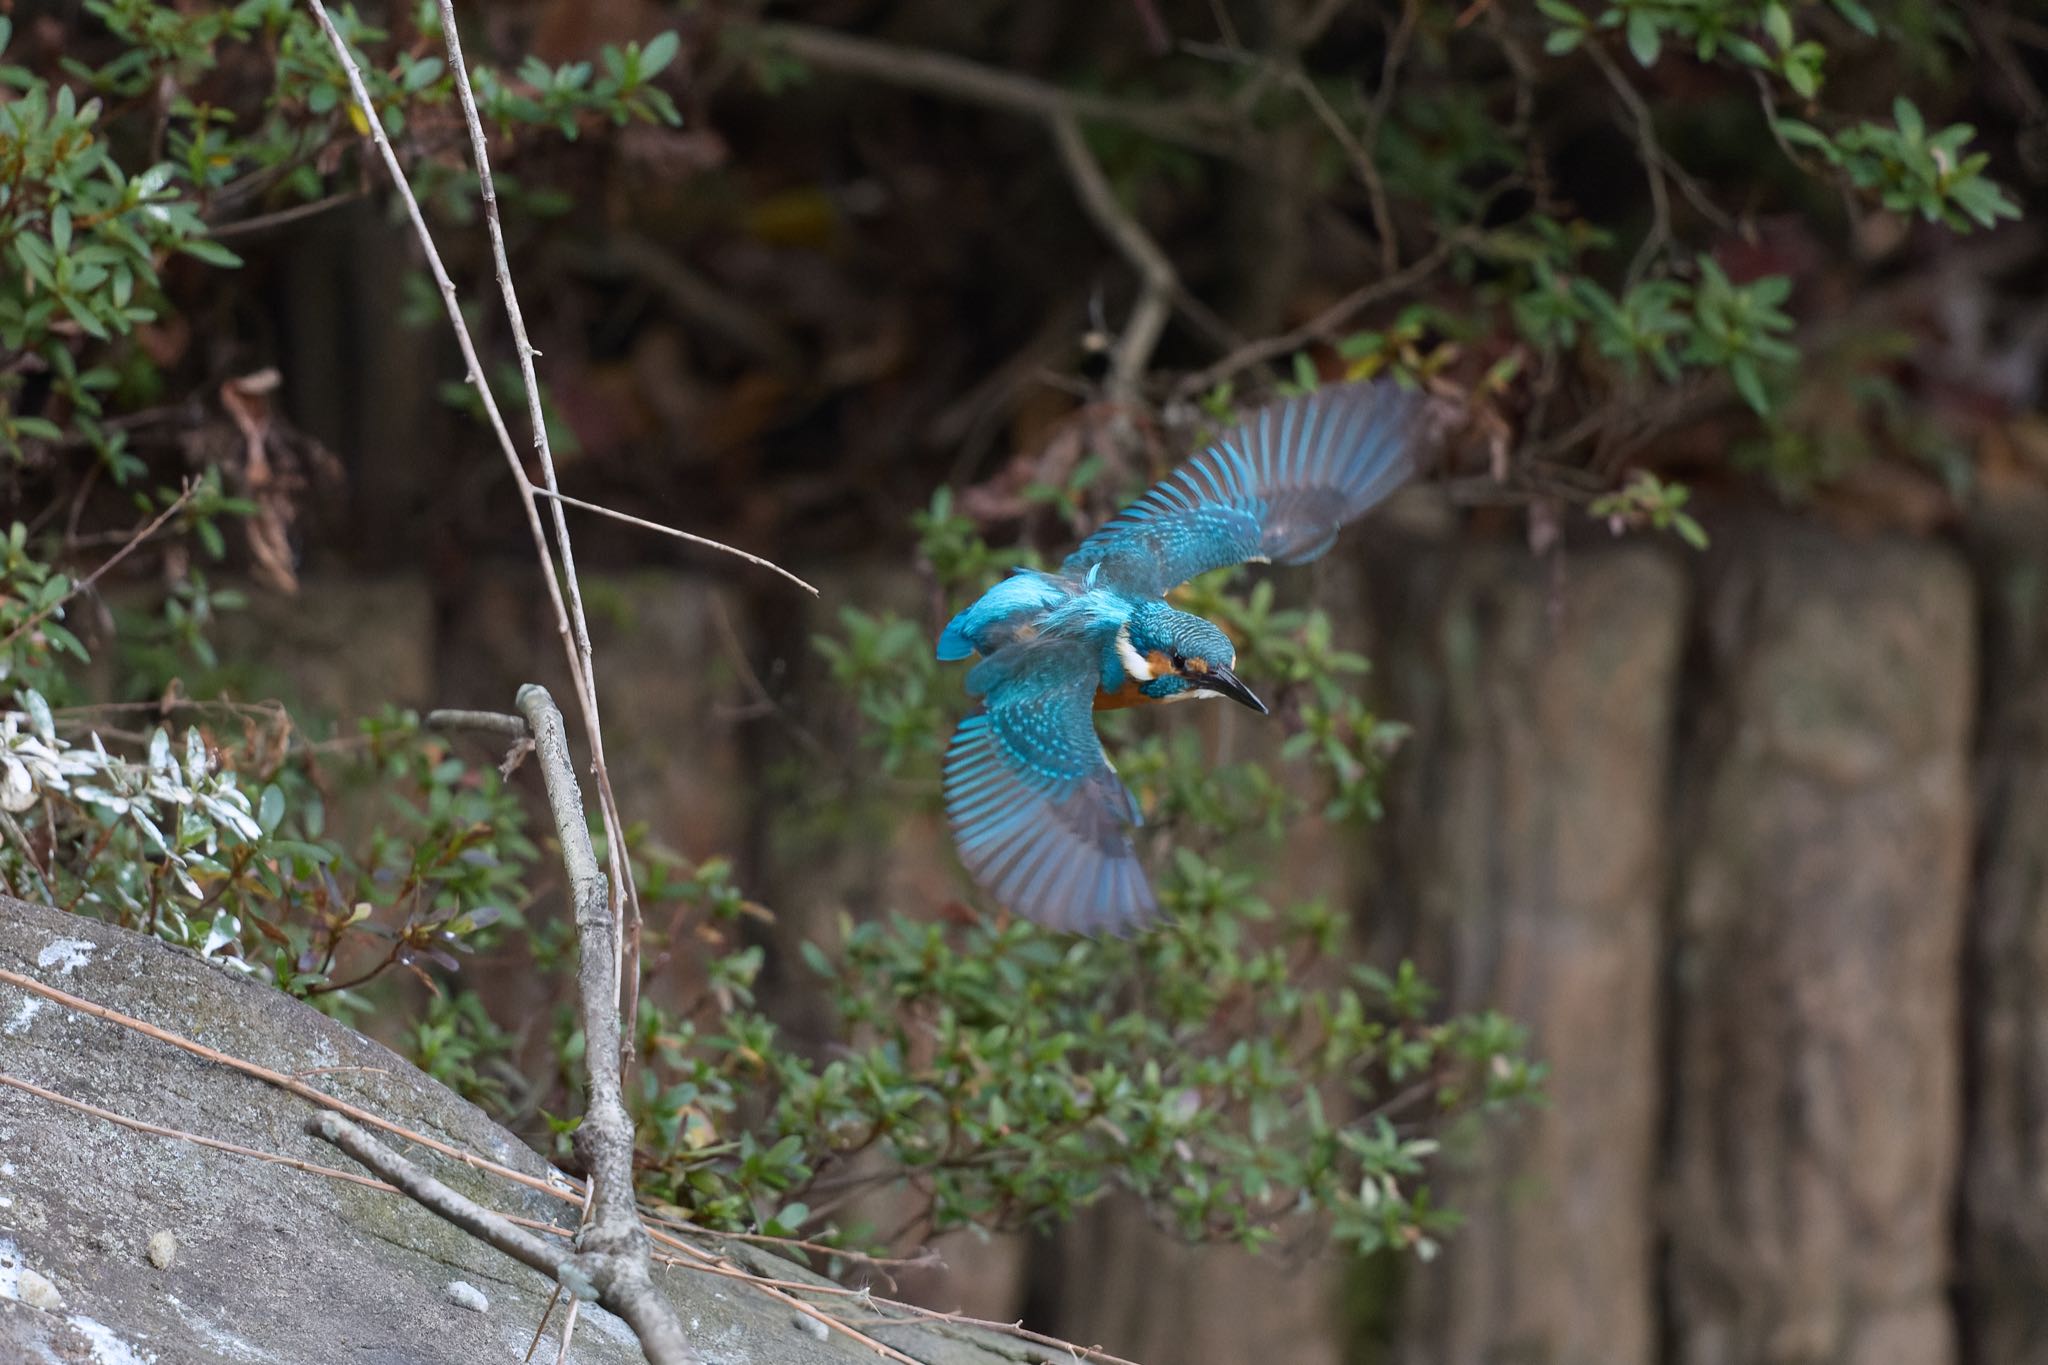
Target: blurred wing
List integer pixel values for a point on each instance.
(1039, 816)
(1275, 488)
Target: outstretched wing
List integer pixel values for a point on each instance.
(1275, 488)
(1040, 818)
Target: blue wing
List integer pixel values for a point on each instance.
(1275, 488)
(1040, 818)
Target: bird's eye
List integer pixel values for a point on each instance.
(1180, 664)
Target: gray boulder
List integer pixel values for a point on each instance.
(123, 1247)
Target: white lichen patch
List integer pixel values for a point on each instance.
(67, 955)
(162, 1249)
(107, 1348)
(463, 1294)
(26, 1015)
(11, 1265)
(223, 1343)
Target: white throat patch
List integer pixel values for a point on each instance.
(1135, 664)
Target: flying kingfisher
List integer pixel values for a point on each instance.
(1038, 813)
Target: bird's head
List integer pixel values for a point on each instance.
(1174, 655)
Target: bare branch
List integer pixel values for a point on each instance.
(575, 626)
(941, 73)
(1651, 155)
(282, 1082)
(473, 1218)
(179, 1134)
(568, 614)
(697, 299)
(612, 1242)
(135, 541)
(1323, 325)
(489, 722)
(268, 222)
(565, 500)
(1158, 281)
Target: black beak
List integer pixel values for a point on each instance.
(1224, 681)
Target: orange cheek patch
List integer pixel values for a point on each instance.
(1162, 663)
(1198, 665)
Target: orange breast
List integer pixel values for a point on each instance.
(1127, 695)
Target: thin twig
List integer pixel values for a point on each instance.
(1651, 155)
(281, 1081)
(568, 1329)
(565, 500)
(1362, 165)
(134, 542)
(264, 222)
(1320, 327)
(696, 298)
(158, 1130)
(625, 896)
(540, 1328)
(569, 625)
(14, 832)
(1158, 281)
(941, 73)
(1376, 121)
(489, 722)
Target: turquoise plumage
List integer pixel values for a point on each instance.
(1038, 814)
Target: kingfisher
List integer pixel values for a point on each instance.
(1039, 816)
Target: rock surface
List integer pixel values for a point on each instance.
(1525, 874)
(2004, 1241)
(274, 1265)
(1824, 859)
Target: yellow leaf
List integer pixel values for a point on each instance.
(357, 117)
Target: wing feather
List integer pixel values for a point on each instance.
(1038, 815)
(1276, 487)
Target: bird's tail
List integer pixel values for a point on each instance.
(991, 622)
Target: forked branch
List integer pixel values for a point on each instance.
(613, 1259)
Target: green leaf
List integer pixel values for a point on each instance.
(1749, 384)
(270, 809)
(1804, 135)
(422, 74)
(1645, 40)
(1857, 15)
(1911, 126)
(659, 52)
(210, 251)
(1778, 25)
